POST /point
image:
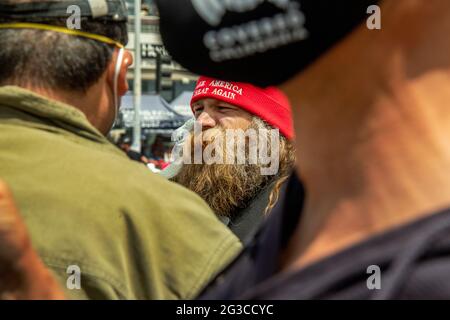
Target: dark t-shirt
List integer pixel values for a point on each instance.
(409, 262)
(246, 222)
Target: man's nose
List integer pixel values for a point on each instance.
(206, 120)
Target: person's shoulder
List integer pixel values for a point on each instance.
(205, 246)
(152, 240)
(176, 227)
(184, 212)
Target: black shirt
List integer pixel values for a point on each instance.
(414, 262)
(246, 222)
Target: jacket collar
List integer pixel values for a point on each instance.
(60, 114)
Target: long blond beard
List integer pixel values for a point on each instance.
(229, 187)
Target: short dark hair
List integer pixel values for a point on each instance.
(49, 59)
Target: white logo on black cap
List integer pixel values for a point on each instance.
(251, 37)
(212, 11)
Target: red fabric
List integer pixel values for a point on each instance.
(163, 165)
(269, 104)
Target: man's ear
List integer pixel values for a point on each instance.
(122, 82)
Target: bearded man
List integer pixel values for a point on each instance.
(240, 186)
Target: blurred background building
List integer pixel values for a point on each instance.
(152, 45)
(166, 89)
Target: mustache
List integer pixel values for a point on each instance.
(208, 136)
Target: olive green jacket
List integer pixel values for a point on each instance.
(131, 233)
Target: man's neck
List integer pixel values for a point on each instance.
(89, 103)
(373, 142)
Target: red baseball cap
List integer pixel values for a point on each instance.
(269, 104)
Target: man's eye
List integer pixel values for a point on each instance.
(198, 109)
(223, 108)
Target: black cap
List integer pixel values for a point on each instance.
(264, 42)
